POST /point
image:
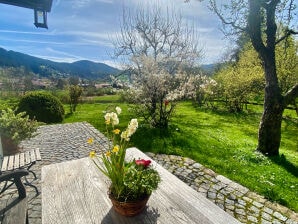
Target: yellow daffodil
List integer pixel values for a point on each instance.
(92, 154)
(116, 131)
(90, 140)
(116, 148)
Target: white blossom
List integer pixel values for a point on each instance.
(107, 117)
(111, 117)
(131, 129)
(118, 110)
(115, 119)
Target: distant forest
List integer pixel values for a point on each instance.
(49, 69)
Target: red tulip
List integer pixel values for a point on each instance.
(143, 162)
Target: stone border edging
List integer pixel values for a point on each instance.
(237, 200)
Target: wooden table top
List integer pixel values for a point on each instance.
(75, 192)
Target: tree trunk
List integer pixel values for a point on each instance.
(270, 129)
(270, 125)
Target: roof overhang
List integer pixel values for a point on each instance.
(45, 5)
(40, 7)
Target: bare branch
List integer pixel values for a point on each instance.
(220, 14)
(287, 34)
(162, 36)
(291, 8)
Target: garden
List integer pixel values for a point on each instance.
(225, 142)
(240, 120)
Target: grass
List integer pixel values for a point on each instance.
(222, 141)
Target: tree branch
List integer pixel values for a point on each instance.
(271, 26)
(214, 8)
(288, 33)
(254, 27)
(291, 95)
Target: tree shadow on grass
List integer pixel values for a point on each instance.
(283, 162)
(289, 122)
(67, 115)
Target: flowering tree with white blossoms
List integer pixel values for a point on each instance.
(155, 92)
(197, 87)
(149, 93)
(156, 46)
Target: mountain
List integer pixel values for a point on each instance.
(209, 68)
(46, 68)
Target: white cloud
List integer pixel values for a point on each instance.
(57, 55)
(106, 1)
(112, 63)
(37, 41)
(24, 32)
(77, 4)
(96, 35)
(58, 59)
(96, 42)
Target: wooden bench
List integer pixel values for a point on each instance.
(20, 161)
(15, 210)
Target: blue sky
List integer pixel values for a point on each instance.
(82, 29)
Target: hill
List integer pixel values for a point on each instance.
(46, 68)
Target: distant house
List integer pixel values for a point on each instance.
(103, 85)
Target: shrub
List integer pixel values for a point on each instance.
(62, 95)
(42, 106)
(16, 126)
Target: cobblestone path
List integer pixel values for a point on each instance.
(62, 142)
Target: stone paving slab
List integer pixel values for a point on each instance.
(62, 142)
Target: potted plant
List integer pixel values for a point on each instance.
(131, 182)
(14, 128)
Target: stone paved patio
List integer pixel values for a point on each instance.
(62, 142)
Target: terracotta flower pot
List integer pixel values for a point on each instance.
(129, 208)
(9, 146)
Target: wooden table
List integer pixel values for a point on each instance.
(76, 192)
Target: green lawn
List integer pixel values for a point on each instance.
(222, 141)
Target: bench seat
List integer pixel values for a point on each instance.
(20, 160)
